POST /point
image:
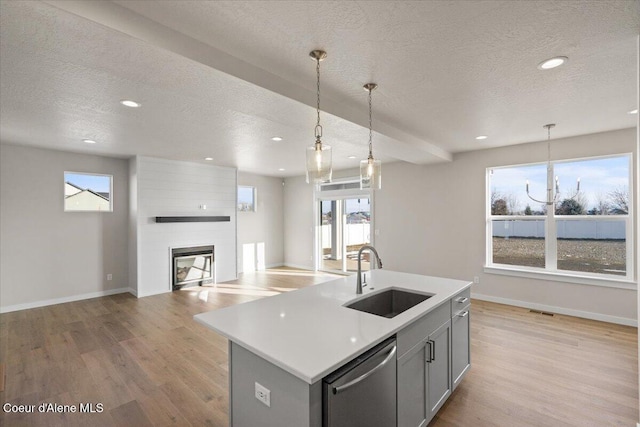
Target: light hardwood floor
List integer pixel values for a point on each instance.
(149, 363)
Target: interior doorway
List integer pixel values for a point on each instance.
(345, 226)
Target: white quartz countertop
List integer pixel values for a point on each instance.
(309, 333)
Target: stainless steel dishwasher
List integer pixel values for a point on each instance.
(363, 392)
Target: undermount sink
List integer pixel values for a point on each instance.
(388, 303)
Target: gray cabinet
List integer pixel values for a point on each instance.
(413, 387)
(460, 342)
(424, 371)
(439, 368)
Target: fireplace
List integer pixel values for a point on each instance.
(193, 266)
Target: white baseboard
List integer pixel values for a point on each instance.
(148, 294)
(558, 310)
(274, 265)
(44, 303)
(298, 266)
(267, 266)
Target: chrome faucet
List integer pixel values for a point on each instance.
(359, 274)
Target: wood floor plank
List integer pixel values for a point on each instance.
(149, 363)
(161, 410)
(130, 414)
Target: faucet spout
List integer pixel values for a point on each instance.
(359, 274)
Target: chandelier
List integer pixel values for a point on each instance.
(552, 197)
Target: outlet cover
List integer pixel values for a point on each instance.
(263, 394)
(476, 279)
(109, 276)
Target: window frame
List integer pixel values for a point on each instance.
(254, 198)
(64, 196)
(551, 271)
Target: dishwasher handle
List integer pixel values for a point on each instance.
(362, 377)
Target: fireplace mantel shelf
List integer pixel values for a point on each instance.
(193, 218)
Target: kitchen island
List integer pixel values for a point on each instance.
(288, 343)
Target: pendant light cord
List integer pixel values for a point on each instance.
(549, 147)
(318, 127)
(370, 127)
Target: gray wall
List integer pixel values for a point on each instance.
(266, 224)
(445, 206)
(47, 255)
(431, 220)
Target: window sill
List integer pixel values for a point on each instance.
(621, 283)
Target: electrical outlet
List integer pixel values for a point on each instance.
(263, 394)
(109, 276)
(476, 279)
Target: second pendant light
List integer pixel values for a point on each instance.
(370, 169)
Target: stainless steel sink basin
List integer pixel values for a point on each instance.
(388, 303)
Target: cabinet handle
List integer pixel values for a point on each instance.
(462, 300)
(463, 314)
(432, 351)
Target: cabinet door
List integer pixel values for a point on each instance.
(412, 387)
(439, 367)
(460, 345)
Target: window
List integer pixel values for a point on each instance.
(585, 233)
(87, 192)
(246, 199)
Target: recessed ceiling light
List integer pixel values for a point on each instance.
(552, 63)
(89, 141)
(130, 103)
(281, 169)
(208, 158)
(633, 111)
(276, 138)
(481, 137)
(351, 157)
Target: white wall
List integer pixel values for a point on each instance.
(264, 226)
(431, 220)
(172, 188)
(445, 206)
(47, 255)
(299, 223)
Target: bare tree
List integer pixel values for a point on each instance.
(619, 201)
(512, 203)
(602, 205)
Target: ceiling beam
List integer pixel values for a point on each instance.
(409, 147)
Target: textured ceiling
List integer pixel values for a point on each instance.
(220, 78)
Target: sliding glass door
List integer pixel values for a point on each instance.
(345, 226)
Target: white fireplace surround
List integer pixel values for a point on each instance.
(160, 187)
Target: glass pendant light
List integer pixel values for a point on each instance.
(318, 155)
(370, 169)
